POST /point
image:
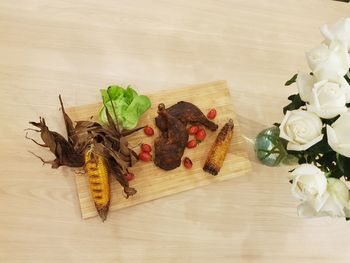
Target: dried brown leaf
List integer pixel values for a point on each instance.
(59, 146)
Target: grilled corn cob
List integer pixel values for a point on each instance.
(97, 172)
(219, 149)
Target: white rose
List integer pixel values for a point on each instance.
(338, 135)
(339, 31)
(328, 62)
(309, 185)
(305, 83)
(327, 99)
(333, 202)
(301, 129)
(337, 202)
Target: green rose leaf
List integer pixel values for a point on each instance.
(295, 104)
(344, 165)
(320, 147)
(291, 81)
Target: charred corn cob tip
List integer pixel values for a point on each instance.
(219, 149)
(96, 170)
(210, 168)
(103, 212)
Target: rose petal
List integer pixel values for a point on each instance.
(327, 113)
(302, 147)
(333, 207)
(342, 127)
(345, 86)
(305, 84)
(283, 133)
(335, 144)
(305, 210)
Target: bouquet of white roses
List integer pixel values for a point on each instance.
(315, 129)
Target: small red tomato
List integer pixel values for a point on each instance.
(129, 176)
(146, 147)
(200, 135)
(145, 156)
(187, 163)
(148, 131)
(211, 114)
(193, 129)
(191, 144)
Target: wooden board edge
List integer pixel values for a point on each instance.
(213, 83)
(238, 174)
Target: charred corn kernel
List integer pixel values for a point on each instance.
(97, 172)
(219, 149)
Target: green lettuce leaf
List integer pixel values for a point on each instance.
(129, 95)
(128, 105)
(114, 93)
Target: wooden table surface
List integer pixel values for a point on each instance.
(76, 47)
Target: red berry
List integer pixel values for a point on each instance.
(191, 144)
(129, 176)
(200, 135)
(145, 156)
(146, 147)
(193, 129)
(148, 131)
(187, 163)
(211, 114)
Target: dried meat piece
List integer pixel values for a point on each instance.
(170, 145)
(186, 112)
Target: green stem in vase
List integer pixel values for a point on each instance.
(269, 147)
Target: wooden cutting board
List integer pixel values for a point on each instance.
(152, 182)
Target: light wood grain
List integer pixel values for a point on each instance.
(76, 47)
(152, 182)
